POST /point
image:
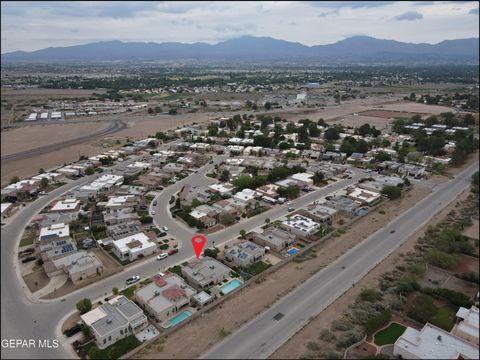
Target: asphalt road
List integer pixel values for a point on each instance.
(24, 317)
(114, 127)
(260, 337)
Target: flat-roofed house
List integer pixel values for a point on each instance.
(301, 226)
(134, 246)
(467, 326)
(204, 273)
(276, 239)
(432, 342)
(114, 320)
(321, 213)
(244, 254)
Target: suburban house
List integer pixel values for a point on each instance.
(343, 204)
(432, 342)
(301, 226)
(119, 216)
(304, 179)
(205, 273)
(247, 196)
(134, 246)
(467, 325)
(276, 239)
(164, 296)
(70, 204)
(268, 190)
(364, 196)
(321, 213)
(114, 320)
(118, 231)
(244, 254)
(54, 232)
(78, 265)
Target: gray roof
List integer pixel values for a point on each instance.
(119, 314)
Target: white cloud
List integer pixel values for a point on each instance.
(409, 15)
(35, 25)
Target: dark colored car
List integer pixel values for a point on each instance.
(73, 330)
(28, 259)
(173, 251)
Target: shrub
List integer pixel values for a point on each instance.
(455, 298)
(442, 259)
(377, 321)
(312, 345)
(327, 336)
(341, 325)
(370, 295)
(407, 283)
(347, 339)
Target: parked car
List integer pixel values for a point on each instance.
(28, 259)
(162, 256)
(210, 162)
(290, 209)
(132, 280)
(173, 251)
(153, 212)
(73, 330)
(164, 228)
(155, 203)
(41, 193)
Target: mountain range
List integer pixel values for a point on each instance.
(357, 48)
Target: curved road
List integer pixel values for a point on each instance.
(114, 127)
(24, 317)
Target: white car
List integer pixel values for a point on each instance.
(164, 228)
(162, 256)
(132, 280)
(153, 212)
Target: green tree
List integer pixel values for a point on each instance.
(225, 175)
(268, 106)
(172, 111)
(313, 130)
(423, 309)
(14, 180)
(115, 291)
(41, 171)
(243, 233)
(84, 305)
(442, 259)
(226, 218)
(332, 133)
(318, 177)
(44, 182)
(392, 192)
(89, 170)
(212, 130)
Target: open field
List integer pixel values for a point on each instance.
(230, 315)
(387, 114)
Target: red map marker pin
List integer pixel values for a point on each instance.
(198, 242)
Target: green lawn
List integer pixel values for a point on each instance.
(443, 318)
(257, 268)
(128, 292)
(26, 241)
(389, 335)
(121, 347)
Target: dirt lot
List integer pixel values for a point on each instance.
(409, 106)
(296, 346)
(359, 120)
(26, 138)
(384, 114)
(472, 231)
(254, 298)
(36, 280)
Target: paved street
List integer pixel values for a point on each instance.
(27, 318)
(263, 335)
(31, 319)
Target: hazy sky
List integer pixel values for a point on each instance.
(36, 25)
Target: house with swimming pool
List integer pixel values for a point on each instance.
(204, 273)
(165, 296)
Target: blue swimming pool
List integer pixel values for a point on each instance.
(230, 286)
(360, 212)
(292, 251)
(180, 317)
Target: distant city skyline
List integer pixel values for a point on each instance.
(31, 26)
